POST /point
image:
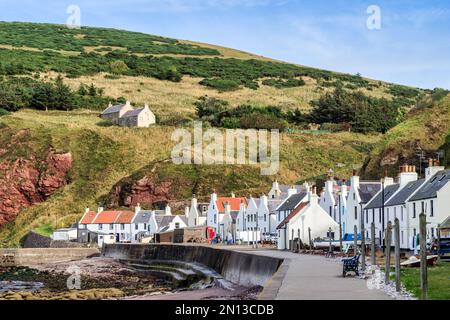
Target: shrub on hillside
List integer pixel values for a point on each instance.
(4, 112)
(220, 84)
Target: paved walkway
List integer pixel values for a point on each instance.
(305, 277)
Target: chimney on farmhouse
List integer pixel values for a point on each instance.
(194, 201)
(186, 212)
(128, 104)
(433, 168)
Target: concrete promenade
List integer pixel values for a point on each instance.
(307, 277)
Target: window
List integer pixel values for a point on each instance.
(432, 208)
(423, 207)
(395, 212)
(111, 226)
(331, 211)
(432, 232)
(415, 232)
(100, 227)
(354, 196)
(367, 217)
(388, 215)
(177, 225)
(215, 219)
(379, 215)
(356, 213)
(414, 210)
(265, 217)
(122, 226)
(402, 212)
(145, 226)
(136, 226)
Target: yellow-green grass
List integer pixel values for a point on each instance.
(438, 281)
(105, 155)
(170, 100)
(45, 230)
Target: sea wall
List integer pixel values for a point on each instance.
(27, 257)
(237, 267)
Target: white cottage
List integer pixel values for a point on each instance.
(308, 215)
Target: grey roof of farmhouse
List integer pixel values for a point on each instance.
(377, 202)
(404, 194)
(292, 202)
(368, 190)
(432, 186)
(133, 113)
(113, 109)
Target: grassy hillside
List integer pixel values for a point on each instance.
(170, 74)
(427, 127)
(104, 156)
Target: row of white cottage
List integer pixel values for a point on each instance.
(287, 210)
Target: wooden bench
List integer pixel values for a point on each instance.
(351, 265)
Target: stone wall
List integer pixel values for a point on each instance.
(237, 267)
(28, 257)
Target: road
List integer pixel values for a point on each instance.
(307, 277)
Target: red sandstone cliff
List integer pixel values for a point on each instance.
(25, 182)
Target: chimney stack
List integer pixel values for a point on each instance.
(407, 174)
(137, 209)
(434, 168)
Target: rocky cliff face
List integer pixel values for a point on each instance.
(28, 181)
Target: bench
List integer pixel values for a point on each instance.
(351, 265)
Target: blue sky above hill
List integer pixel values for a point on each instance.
(412, 47)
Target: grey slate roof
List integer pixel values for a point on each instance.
(368, 190)
(142, 217)
(377, 202)
(432, 186)
(292, 202)
(403, 195)
(273, 205)
(164, 221)
(113, 109)
(445, 224)
(133, 113)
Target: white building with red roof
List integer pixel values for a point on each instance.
(216, 212)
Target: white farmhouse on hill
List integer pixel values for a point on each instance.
(126, 116)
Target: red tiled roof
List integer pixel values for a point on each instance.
(88, 217)
(107, 217)
(234, 202)
(125, 217)
(293, 214)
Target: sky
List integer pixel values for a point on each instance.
(401, 41)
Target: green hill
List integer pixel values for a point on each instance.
(426, 128)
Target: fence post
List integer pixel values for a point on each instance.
(439, 242)
(363, 243)
(372, 245)
(423, 256)
(310, 240)
(329, 235)
(292, 241)
(388, 242)
(397, 255)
